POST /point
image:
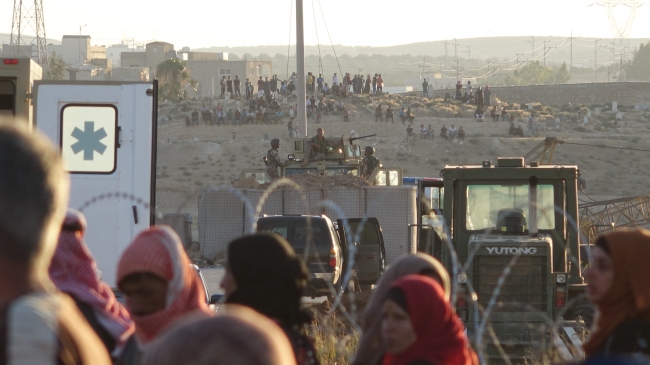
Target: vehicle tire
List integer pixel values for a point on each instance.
(582, 308)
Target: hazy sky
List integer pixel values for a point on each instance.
(202, 23)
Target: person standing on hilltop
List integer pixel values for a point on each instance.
(260, 84)
(319, 81)
(380, 84)
(374, 84)
(237, 84)
(273, 160)
(425, 89)
(366, 89)
(486, 96)
(222, 83)
(369, 163)
(335, 79)
(459, 91)
(469, 87)
(479, 97)
(274, 84)
(229, 85)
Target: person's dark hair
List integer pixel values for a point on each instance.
(33, 191)
(602, 243)
(270, 277)
(397, 295)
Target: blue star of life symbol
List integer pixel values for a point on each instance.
(88, 140)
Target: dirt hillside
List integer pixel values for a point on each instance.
(191, 158)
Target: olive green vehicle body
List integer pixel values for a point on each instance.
(532, 272)
(342, 158)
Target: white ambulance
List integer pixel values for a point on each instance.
(107, 135)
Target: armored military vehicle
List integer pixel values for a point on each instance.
(342, 158)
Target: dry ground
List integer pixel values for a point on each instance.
(192, 158)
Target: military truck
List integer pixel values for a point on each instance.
(508, 215)
(342, 159)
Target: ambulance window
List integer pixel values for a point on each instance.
(7, 98)
(88, 138)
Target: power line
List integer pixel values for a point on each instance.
(612, 147)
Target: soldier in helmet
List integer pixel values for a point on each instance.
(273, 160)
(369, 162)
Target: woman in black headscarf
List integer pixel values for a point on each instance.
(263, 273)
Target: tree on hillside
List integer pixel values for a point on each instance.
(533, 74)
(233, 57)
(639, 67)
(55, 68)
(247, 56)
(562, 75)
(173, 77)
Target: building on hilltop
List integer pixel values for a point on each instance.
(76, 49)
(209, 72)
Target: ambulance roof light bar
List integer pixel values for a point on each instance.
(10, 61)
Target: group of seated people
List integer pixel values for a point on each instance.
(406, 116)
(452, 133)
(379, 113)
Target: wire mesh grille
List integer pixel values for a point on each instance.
(526, 283)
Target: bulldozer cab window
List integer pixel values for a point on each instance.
(7, 98)
(485, 204)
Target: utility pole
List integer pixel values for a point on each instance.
(518, 54)
(300, 63)
(596, 48)
(571, 60)
(469, 53)
(532, 43)
(546, 41)
(446, 54)
(456, 55)
(80, 28)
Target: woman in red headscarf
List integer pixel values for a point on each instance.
(618, 282)
(419, 326)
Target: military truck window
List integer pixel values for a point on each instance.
(88, 138)
(485, 203)
(7, 98)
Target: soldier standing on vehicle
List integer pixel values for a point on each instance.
(369, 162)
(319, 147)
(273, 160)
